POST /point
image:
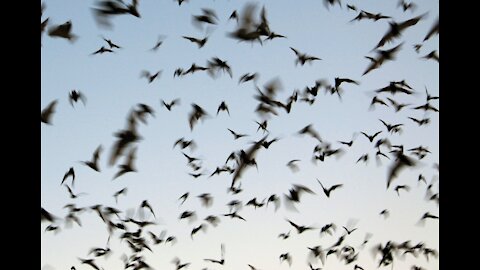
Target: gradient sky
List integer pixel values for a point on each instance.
(112, 85)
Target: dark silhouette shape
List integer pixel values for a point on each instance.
(195, 230)
(275, 200)
(223, 107)
(178, 72)
(194, 68)
(382, 57)
(250, 28)
(396, 30)
(401, 162)
(158, 44)
(371, 137)
(89, 262)
(349, 231)
(120, 192)
(47, 216)
(213, 220)
(184, 197)
(247, 77)
(294, 195)
(310, 131)
(399, 187)
(75, 95)
(196, 114)
(237, 135)
(363, 158)
(417, 47)
(300, 228)
(328, 228)
(430, 97)
(420, 122)
(108, 8)
(74, 196)
(178, 263)
(150, 76)
(254, 203)
(222, 258)
(145, 204)
(317, 252)
(125, 138)
(63, 31)
(234, 215)
(216, 64)
(284, 236)
(426, 107)
(128, 166)
(303, 58)
(376, 100)
(48, 112)
(293, 166)
(111, 44)
(171, 104)
(391, 128)
(273, 35)
(428, 215)
(395, 87)
(286, 257)
(185, 143)
(200, 42)
(407, 6)
(206, 199)
(208, 16)
(180, 2)
(233, 16)
(351, 7)
(329, 190)
(93, 163)
(69, 173)
(339, 81)
(102, 50)
(398, 106)
(433, 31)
(99, 252)
(246, 158)
(432, 55)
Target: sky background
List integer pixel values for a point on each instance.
(112, 85)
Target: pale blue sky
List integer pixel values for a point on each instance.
(112, 85)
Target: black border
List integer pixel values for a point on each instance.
(21, 133)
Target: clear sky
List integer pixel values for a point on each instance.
(112, 85)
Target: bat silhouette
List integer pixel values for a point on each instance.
(128, 166)
(48, 112)
(69, 173)
(396, 29)
(151, 77)
(371, 137)
(329, 190)
(111, 44)
(120, 192)
(303, 58)
(74, 196)
(171, 104)
(382, 57)
(102, 50)
(63, 31)
(433, 31)
(200, 42)
(74, 96)
(93, 163)
(300, 228)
